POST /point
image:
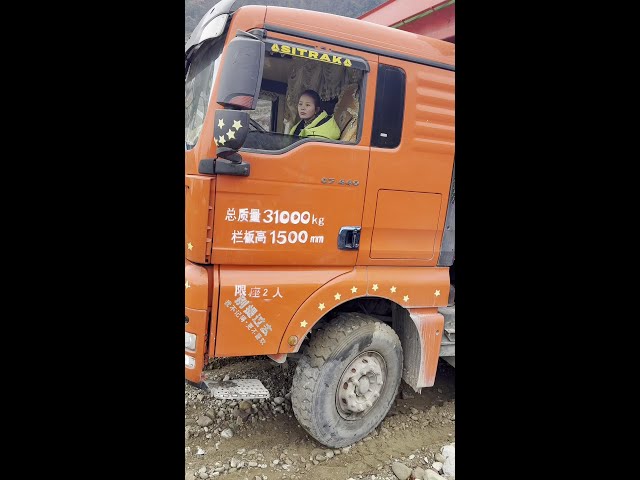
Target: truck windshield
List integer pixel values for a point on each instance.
(197, 89)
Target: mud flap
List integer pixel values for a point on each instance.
(420, 331)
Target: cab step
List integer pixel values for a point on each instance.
(239, 389)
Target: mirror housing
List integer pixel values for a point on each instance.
(230, 130)
(241, 75)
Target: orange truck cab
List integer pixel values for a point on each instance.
(335, 248)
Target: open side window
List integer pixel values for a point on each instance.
(289, 70)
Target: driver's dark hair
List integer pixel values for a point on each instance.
(313, 94)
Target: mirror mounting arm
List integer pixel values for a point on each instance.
(223, 166)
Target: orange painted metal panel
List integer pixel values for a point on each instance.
(410, 287)
(199, 198)
(198, 285)
(340, 290)
(200, 298)
(430, 325)
(284, 189)
(198, 320)
(423, 162)
(405, 225)
(257, 303)
(363, 33)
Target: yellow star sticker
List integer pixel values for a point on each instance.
(189, 246)
(303, 324)
(406, 298)
(221, 140)
(375, 287)
(393, 289)
(354, 289)
(321, 306)
(231, 134)
(220, 123)
(337, 296)
(437, 294)
(186, 285)
(237, 125)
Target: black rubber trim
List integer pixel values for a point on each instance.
(358, 46)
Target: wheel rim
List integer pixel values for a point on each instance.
(361, 385)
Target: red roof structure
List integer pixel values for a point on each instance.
(433, 18)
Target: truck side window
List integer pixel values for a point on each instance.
(266, 112)
(197, 89)
(289, 70)
(389, 108)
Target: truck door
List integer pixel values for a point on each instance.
(301, 192)
(412, 154)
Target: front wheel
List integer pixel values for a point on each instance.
(347, 379)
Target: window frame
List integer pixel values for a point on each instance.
(362, 90)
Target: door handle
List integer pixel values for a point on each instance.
(349, 238)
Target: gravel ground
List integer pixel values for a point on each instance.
(261, 439)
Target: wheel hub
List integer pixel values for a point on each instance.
(360, 385)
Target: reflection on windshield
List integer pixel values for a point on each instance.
(197, 89)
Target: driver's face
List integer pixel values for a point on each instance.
(306, 107)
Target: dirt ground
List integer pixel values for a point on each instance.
(416, 428)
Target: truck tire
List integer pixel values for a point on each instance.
(346, 379)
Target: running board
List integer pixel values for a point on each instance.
(239, 389)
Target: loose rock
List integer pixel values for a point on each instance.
(431, 475)
(448, 450)
(203, 421)
(418, 473)
(401, 471)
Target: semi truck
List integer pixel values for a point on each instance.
(338, 253)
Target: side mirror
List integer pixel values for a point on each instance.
(241, 76)
(230, 130)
